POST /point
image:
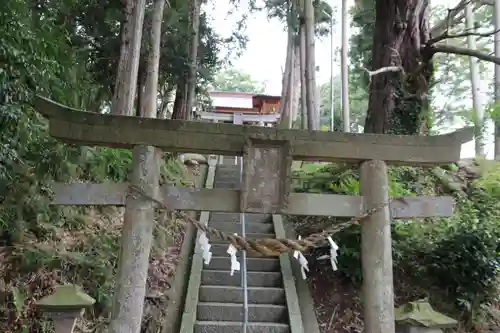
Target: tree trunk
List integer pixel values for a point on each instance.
(286, 82)
(312, 112)
(194, 24)
(296, 87)
(138, 99)
(179, 102)
(166, 98)
(346, 114)
(128, 66)
(303, 72)
(141, 80)
(477, 109)
(148, 107)
(397, 103)
(496, 18)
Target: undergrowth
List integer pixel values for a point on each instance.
(453, 261)
(43, 245)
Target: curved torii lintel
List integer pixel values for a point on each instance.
(94, 129)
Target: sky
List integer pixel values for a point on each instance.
(264, 56)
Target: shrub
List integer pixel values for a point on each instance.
(466, 265)
(455, 258)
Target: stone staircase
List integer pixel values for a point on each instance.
(214, 302)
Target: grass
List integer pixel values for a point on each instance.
(307, 167)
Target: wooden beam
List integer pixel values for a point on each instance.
(93, 129)
(226, 200)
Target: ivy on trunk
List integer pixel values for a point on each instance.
(398, 100)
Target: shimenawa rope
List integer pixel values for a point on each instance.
(268, 247)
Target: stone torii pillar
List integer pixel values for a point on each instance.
(376, 250)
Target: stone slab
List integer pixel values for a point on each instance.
(292, 300)
(256, 295)
(228, 185)
(220, 250)
(254, 279)
(266, 168)
(188, 317)
(232, 327)
(234, 312)
(306, 302)
(235, 217)
(253, 264)
(251, 228)
(247, 236)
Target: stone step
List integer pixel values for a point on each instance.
(220, 250)
(228, 185)
(227, 178)
(228, 161)
(253, 264)
(227, 170)
(207, 311)
(250, 228)
(232, 327)
(231, 294)
(210, 277)
(235, 217)
(229, 165)
(233, 176)
(214, 240)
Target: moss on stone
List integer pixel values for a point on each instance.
(69, 297)
(420, 313)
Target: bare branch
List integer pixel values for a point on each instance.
(441, 48)
(383, 70)
(455, 15)
(461, 35)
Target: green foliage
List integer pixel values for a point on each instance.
(490, 180)
(453, 86)
(41, 245)
(108, 164)
(360, 50)
(358, 103)
(466, 265)
(81, 245)
(279, 9)
(455, 260)
(31, 60)
(233, 80)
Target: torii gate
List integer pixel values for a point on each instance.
(268, 156)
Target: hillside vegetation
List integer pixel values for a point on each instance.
(453, 261)
(43, 245)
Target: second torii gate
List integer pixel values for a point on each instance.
(268, 156)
